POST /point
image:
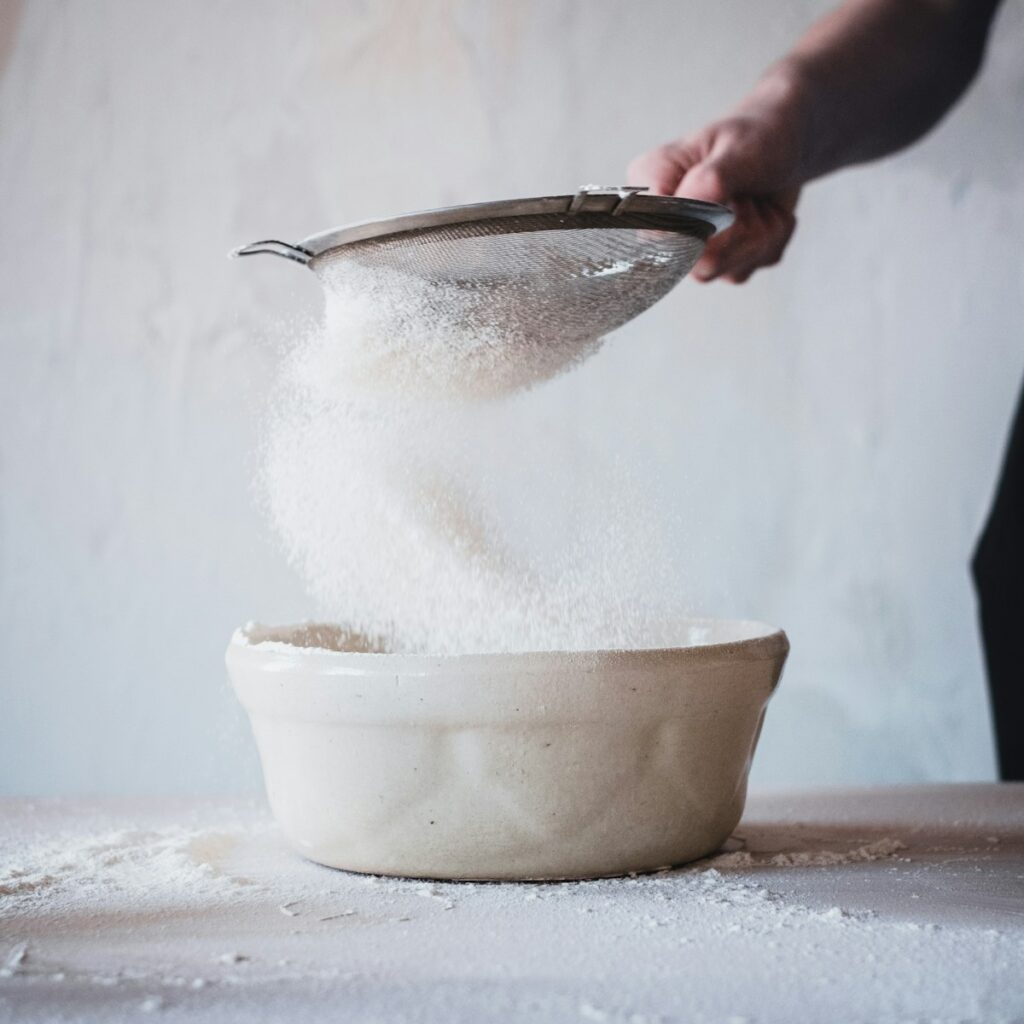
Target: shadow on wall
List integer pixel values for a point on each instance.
(10, 15)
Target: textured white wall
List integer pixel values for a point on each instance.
(829, 433)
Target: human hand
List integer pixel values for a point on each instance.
(748, 162)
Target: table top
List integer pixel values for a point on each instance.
(897, 904)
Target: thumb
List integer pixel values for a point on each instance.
(705, 181)
(658, 170)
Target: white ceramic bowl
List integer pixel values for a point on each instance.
(506, 766)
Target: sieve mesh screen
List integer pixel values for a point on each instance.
(541, 276)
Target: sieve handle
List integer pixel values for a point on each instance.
(273, 247)
(624, 193)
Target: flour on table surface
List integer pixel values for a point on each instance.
(13, 960)
(189, 912)
(878, 849)
(152, 866)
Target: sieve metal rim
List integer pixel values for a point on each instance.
(665, 213)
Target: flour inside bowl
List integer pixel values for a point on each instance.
(401, 470)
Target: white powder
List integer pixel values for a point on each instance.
(15, 957)
(879, 849)
(392, 488)
(155, 866)
(179, 908)
(394, 332)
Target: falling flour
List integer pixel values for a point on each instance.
(400, 471)
(436, 340)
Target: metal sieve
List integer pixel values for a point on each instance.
(566, 268)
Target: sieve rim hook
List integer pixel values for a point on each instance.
(273, 247)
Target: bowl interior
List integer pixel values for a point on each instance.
(328, 638)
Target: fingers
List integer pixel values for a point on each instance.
(705, 181)
(659, 170)
(736, 252)
(758, 238)
(717, 166)
(778, 225)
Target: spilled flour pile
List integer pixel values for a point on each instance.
(880, 849)
(152, 867)
(398, 467)
(200, 913)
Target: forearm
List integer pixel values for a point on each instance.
(872, 77)
(868, 79)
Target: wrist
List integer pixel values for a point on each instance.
(781, 101)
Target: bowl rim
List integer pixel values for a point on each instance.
(765, 644)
